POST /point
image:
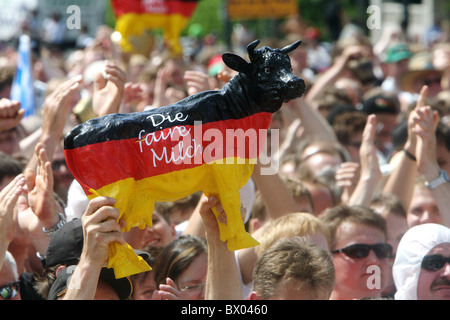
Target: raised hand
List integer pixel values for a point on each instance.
(56, 107)
(8, 199)
(108, 89)
(10, 114)
(168, 291)
(41, 197)
(196, 81)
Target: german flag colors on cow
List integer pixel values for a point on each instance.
(207, 142)
(135, 16)
(166, 154)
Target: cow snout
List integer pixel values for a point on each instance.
(296, 88)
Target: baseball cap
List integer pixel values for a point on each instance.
(397, 52)
(215, 65)
(380, 104)
(122, 286)
(66, 245)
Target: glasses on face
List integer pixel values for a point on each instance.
(429, 82)
(195, 287)
(356, 144)
(361, 250)
(9, 290)
(57, 164)
(434, 262)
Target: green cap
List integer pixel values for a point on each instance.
(397, 53)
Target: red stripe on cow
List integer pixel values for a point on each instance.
(171, 149)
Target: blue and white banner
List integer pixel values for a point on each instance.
(22, 88)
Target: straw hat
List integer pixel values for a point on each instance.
(420, 66)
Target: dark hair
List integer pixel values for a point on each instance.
(9, 166)
(177, 256)
(347, 124)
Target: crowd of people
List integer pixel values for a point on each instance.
(358, 206)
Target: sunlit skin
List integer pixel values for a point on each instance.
(194, 274)
(160, 233)
(423, 208)
(352, 274)
(144, 286)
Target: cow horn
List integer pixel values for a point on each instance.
(251, 48)
(291, 47)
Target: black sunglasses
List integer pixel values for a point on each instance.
(361, 250)
(434, 262)
(9, 290)
(429, 82)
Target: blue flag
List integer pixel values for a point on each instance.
(22, 88)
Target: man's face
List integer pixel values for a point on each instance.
(423, 208)
(9, 142)
(7, 277)
(431, 79)
(435, 284)
(61, 174)
(385, 124)
(443, 156)
(354, 275)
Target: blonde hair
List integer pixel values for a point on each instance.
(298, 224)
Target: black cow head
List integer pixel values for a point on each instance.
(271, 81)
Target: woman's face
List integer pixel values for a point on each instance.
(191, 282)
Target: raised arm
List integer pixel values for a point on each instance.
(39, 211)
(425, 129)
(8, 199)
(274, 192)
(404, 168)
(370, 169)
(56, 108)
(100, 228)
(334, 72)
(222, 280)
(108, 89)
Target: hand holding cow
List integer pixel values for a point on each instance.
(156, 155)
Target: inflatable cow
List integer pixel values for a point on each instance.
(207, 142)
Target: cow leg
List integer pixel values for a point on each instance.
(229, 179)
(136, 208)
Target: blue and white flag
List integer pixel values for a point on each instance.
(22, 88)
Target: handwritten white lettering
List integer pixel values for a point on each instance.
(158, 119)
(171, 133)
(178, 152)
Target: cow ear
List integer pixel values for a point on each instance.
(236, 63)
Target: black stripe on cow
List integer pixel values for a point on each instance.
(205, 107)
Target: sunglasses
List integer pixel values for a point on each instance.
(434, 262)
(361, 250)
(355, 144)
(429, 82)
(9, 290)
